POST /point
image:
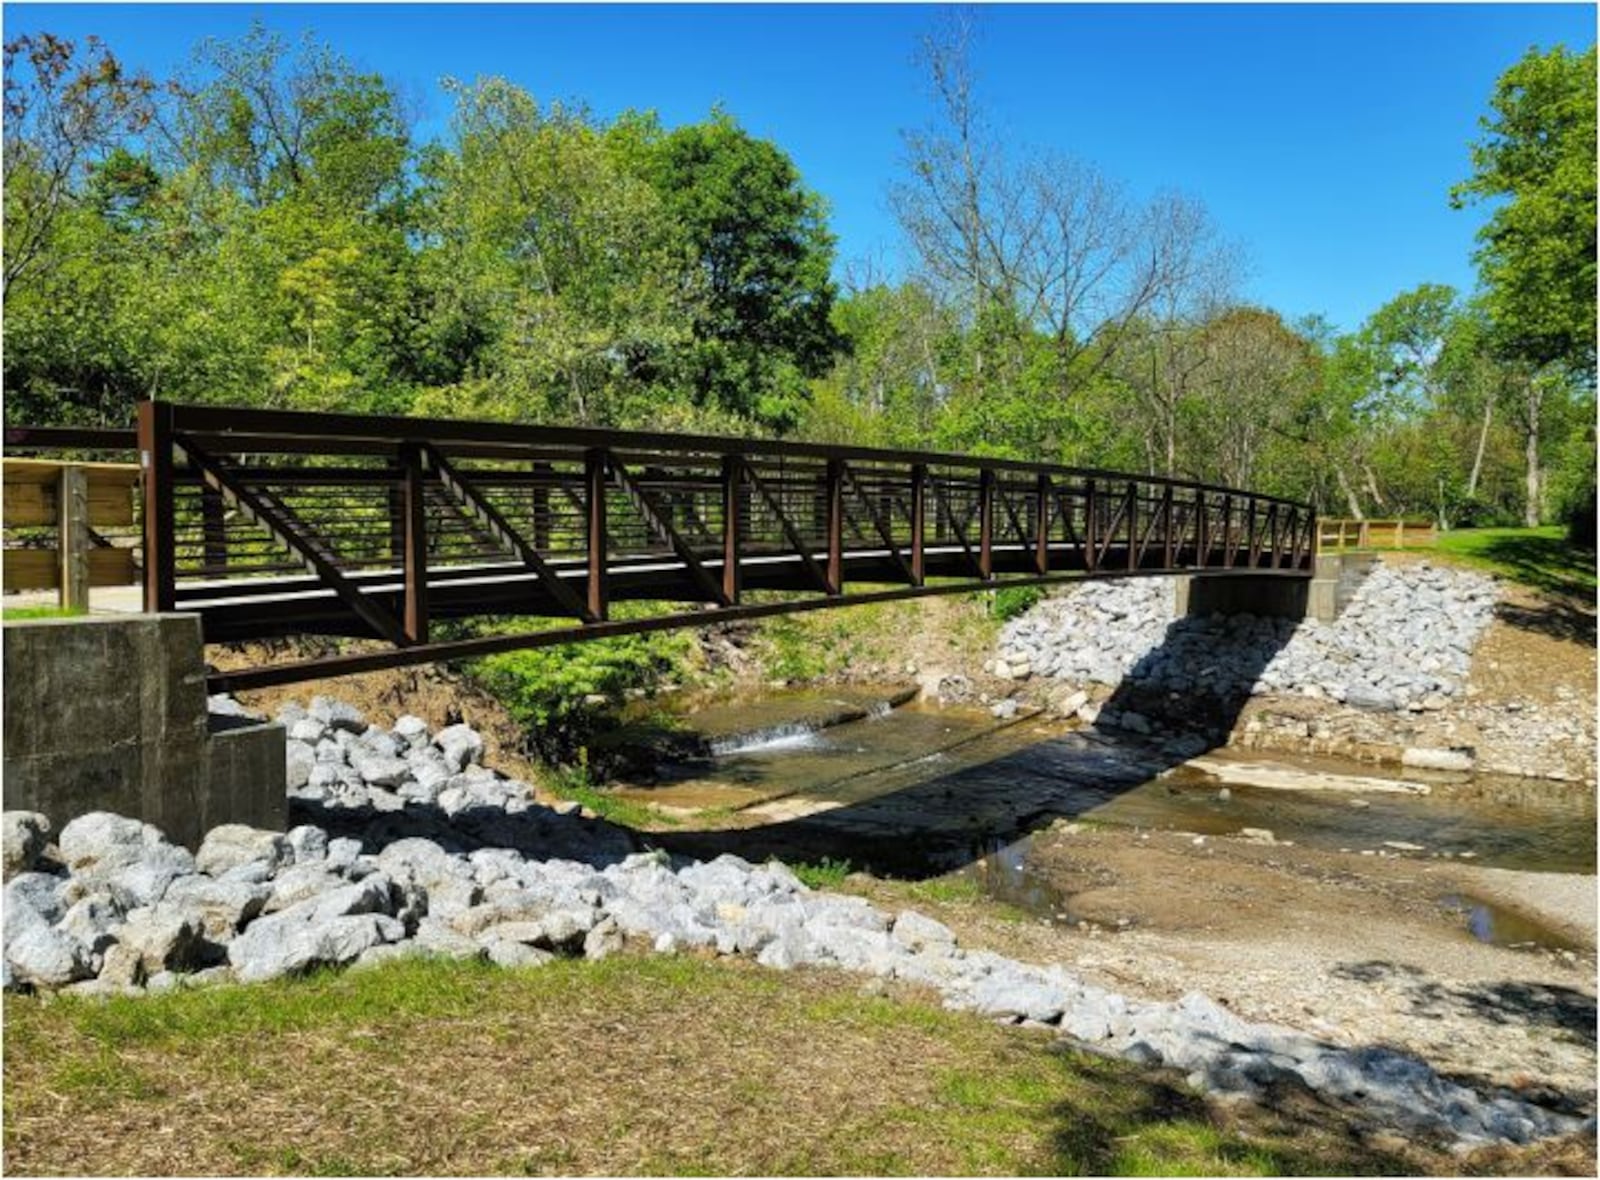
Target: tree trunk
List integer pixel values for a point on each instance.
(1349, 493)
(1530, 515)
(1372, 486)
(1483, 442)
(1532, 395)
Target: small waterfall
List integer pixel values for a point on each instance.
(878, 710)
(776, 737)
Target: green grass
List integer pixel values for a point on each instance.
(659, 1065)
(574, 784)
(826, 873)
(1542, 558)
(21, 613)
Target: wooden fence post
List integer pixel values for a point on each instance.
(72, 524)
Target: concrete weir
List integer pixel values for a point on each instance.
(108, 713)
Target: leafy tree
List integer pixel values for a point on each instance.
(764, 254)
(65, 107)
(1536, 253)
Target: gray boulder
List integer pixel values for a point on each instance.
(40, 955)
(100, 843)
(222, 907)
(270, 947)
(25, 835)
(231, 845)
(461, 746)
(338, 715)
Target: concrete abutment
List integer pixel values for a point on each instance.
(108, 713)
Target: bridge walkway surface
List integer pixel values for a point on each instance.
(277, 523)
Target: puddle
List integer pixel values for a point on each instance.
(1498, 926)
(1003, 874)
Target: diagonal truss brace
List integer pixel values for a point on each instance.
(709, 586)
(796, 542)
(289, 532)
(885, 534)
(488, 517)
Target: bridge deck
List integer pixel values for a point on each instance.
(270, 524)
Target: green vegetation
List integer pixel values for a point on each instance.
(1012, 601)
(769, 1074)
(562, 696)
(40, 612)
(1542, 558)
(266, 228)
(826, 873)
(575, 784)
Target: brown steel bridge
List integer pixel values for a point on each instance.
(275, 523)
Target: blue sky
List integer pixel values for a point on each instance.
(1324, 138)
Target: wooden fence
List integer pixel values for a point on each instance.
(53, 512)
(1336, 533)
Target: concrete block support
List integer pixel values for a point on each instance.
(108, 713)
(1335, 578)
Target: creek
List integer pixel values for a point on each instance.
(921, 789)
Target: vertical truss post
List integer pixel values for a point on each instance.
(541, 506)
(1202, 529)
(1171, 552)
(986, 524)
(1250, 534)
(833, 500)
(1133, 525)
(732, 525)
(1042, 495)
(594, 479)
(1227, 531)
(213, 528)
(1091, 534)
(155, 460)
(414, 542)
(919, 506)
(1273, 532)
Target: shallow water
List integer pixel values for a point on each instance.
(923, 790)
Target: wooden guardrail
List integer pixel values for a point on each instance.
(1335, 533)
(75, 500)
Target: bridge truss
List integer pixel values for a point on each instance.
(276, 523)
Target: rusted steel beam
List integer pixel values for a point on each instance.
(160, 525)
(1133, 525)
(919, 522)
(986, 523)
(594, 473)
(414, 543)
(1044, 502)
(733, 526)
(1169, 542)
(301, 670)
(833, 499)
(69, 438)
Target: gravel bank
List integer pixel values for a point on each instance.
(418, 849)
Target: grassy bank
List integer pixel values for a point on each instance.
(1542, 558)
(646, 1066)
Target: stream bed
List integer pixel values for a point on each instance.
(919, 791)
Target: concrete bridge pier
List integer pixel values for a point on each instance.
(1335, 578)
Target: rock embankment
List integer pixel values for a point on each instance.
(444, 857)
(1404, 642)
